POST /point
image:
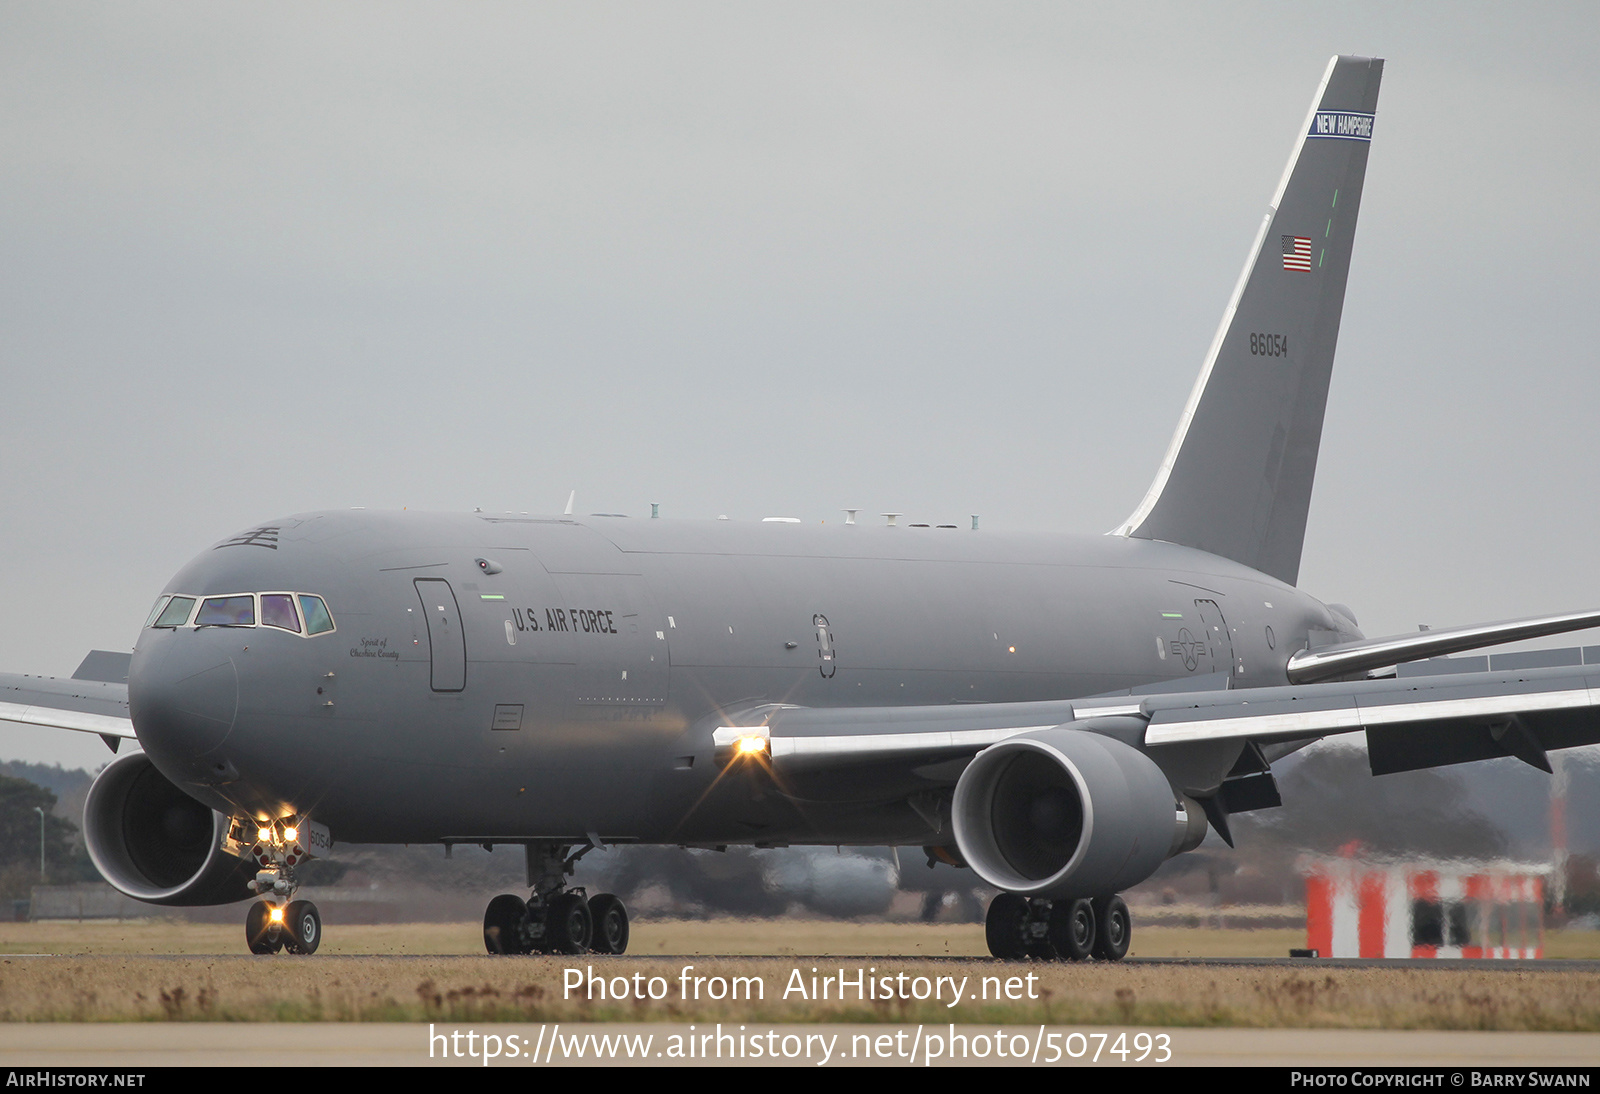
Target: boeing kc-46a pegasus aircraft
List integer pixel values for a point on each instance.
(1061, 715)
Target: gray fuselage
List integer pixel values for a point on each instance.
(510, 678)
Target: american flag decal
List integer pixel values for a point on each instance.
(1297, 253)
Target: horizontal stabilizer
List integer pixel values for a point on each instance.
(104, 666)
(1362, 655)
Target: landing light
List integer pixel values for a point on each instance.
(276, 915)
(291, 833)
(263, 834)
(741, 742)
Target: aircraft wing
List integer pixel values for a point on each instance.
(1364, 654)
(89, 706)
(1411, 722)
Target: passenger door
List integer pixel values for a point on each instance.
(447, 645)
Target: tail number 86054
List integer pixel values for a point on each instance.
(1269, 345)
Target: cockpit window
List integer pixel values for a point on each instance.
(161, 602)
(318, 621)
(277, 610)
(239, 610)
(227, 611)
(176, 613)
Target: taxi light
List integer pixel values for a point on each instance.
(749, 746)
(291, 833)
(264, 834)
(277, 915)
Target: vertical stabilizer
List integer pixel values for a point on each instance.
(1236, 480)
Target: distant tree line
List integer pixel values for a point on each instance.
(65, 858)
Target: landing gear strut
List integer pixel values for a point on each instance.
(555, 919)
(1020, 927)
(279, 923)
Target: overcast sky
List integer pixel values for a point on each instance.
(767, 259)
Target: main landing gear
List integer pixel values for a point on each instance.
(1020, 927)
(278, 922)
(555, 919)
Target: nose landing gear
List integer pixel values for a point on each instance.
(279, 923)
(270, 927)
(305, 927)
(555, 919)
(1036, 928)
(262, 931)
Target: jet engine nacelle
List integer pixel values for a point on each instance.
(155, 843)
(1068, 813)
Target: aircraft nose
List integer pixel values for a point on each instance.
(183, 695)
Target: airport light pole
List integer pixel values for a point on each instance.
(39, 810)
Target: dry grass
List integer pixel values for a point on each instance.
(532, 989)
(118, 980)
